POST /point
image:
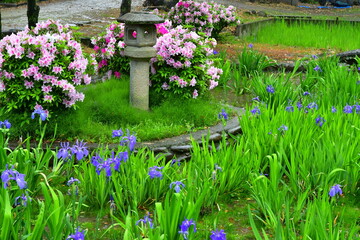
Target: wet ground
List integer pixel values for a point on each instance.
(97, 11)
(69, 11)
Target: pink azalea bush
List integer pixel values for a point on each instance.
(109, 52)
(40, 68)
(183, 66)
(209, 18)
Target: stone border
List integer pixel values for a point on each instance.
(178, 147)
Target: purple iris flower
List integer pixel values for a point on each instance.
(117, 133)
(146, 220)
(299, 105)
(255, 110)
(312, 105)
(336, 189)
(306, 93)
(348, 109)
(257, 99)
(223, 115)
(130, 140)
(43, 114)
(317, 68)
(289, 108)
(283, 128)
(333, 109)
(72, 180)
(97, 161)
(357, 108)
(250, 45)
(177, 185)
(79, 150)
(121, 157)
(109, 164)
(218, 235)
(320, 121)
(11, 174)
(155, 172)
(64, 151)
(175, 161)
(270, 89)
(77, 235)
(22, 200)
(184, 227)
(5, 124)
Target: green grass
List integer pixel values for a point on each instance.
(342, 36)
(106, 108)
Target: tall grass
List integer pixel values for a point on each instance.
(342, 36)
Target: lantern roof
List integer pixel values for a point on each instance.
(140, 18)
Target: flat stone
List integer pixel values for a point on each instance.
(184, 157)
(160, 150)
(82, 23)
(168, 156)
(235, 130)
(181, 149)
(215, 137)
(349, 56)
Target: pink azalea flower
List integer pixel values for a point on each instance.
(2, 86)
(117, 74)
(192, 82)
(195, 94)
(57, 70)
(213, 84)
(28, 84)
(9, 75)
(48, 98)
(134, 34)
(37, 76)
(46, 89)
(25, 73)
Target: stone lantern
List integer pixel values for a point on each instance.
(140, 37)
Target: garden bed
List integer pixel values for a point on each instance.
(292, 173)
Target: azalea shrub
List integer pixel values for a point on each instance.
(209, 18)
(183, 66)
(41, 68)
(109, 52)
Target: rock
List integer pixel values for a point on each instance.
(82, 23)
(261, 14)
(215, 137)
(235, 130)
(159, 149)
(181, 149)
(349, 56)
